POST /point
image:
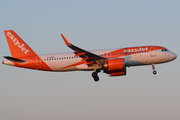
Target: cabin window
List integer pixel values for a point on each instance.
(108, 54)
(44, 59)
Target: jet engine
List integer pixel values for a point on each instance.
(115, 67)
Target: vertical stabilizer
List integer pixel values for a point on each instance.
(17, 46)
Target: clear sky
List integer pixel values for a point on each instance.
(91, 24)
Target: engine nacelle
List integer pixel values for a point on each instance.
(116, 67)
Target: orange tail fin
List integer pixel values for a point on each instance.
(17, 46)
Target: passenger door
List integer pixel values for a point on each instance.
(153, 52)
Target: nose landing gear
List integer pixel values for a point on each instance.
(154, 71)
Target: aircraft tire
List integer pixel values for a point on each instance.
(94, 74)
(96, 79)
(154, 72)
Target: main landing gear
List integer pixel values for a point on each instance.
(154, 71)
(95, 76)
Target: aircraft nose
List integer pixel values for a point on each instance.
(173, 56)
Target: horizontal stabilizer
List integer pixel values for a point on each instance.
(14, 59)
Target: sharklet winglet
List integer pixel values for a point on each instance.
(65, 40)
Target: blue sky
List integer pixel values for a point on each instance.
(101, 24)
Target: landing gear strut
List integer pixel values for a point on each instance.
(95, 76)
(154, 71)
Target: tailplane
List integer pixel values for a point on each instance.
(17, 46)
(12, 59)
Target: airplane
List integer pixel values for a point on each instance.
(110, 61)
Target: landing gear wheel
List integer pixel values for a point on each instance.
(96, 79)
(95, 76)
(154, 72)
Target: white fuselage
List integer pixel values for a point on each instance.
(59, 61)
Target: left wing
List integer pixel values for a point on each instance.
(89, 57)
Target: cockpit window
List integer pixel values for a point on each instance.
(165, 50)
